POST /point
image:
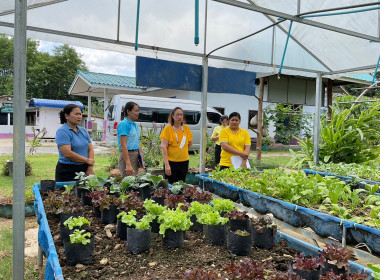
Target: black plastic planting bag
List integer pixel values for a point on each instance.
(197, 226)
(65, 216)
(239, 245)
(47, 185)
(121, 230)
(240, 225)
(79, 253)
(97, 211)
(138, 240)
(155, 226)
(215, 235)
(307, 274)
(263, 240)
(329, 266)
(109, 216)
(173, 239)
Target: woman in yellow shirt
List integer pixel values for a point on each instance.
(176, 139)
(215, 137)
(235, 141)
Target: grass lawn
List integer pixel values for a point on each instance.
(43, 166)
(6, 258)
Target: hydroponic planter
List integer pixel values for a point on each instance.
(323, 224)
(54, 271)
(348, 180)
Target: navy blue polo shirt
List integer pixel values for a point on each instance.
(79, 142)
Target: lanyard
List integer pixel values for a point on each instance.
(176, 133)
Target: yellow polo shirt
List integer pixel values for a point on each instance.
(216, 132)
(237, 140)
(174, 152)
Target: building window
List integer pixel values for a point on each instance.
(3, 118)
(220, 110)
(251, 114)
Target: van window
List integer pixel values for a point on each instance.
(192, 117)
(111, 113)
(146, 114)
(161, 115)
(213, 117)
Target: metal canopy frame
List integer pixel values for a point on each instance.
(20, 27)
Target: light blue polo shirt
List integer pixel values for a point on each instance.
(129, 128)
(79, 142)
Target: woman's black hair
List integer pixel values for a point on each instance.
(222, 118)
(171, 119)
(234, 114)
(67, 110)
(129, 107)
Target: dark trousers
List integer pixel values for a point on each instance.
(223, 167)
(218, 150)
(66, 172)
(179, 170)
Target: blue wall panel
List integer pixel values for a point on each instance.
(152, 72)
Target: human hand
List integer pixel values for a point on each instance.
(168, 170)
(129, 170)
(244, 155)
(244, 164)
(90, 161)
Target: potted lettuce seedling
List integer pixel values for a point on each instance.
(177, 187)
(347, 276)
(108, 208)
(337, 258)
(214, 227)
(247, 269)
(96, 198)
(138, 231)
(127, 202)
(159, 195)
(308, 267)
(223, 206)
(202, 197)
(284, 276)
(239, 242)
(156, 210)
(71, 224)
(173, 200)
(79, 249)
(87, 185)
(263, 231)
(195, 211)
(238, 220)
(173, 224)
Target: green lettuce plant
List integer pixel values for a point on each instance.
(80, 236)
(154, 208)
(73, 222)
(176, 220)
(212, 219)
(223, 205)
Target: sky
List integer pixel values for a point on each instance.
(100, 61)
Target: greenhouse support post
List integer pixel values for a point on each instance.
(202, 158)
(19, 87)
(105, 111)
(260, 121)
(317, 122)
(344, 236)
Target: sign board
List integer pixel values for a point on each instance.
(152, 72)
(7, 108)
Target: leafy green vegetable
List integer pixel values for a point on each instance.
(76, 222)
(80, 236)
(176, 220)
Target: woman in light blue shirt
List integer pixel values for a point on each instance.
(128, 137)
(76, 153)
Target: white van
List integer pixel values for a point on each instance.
(155, 111)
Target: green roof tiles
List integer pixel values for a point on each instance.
(108, 79)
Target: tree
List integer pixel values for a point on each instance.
(47, 76)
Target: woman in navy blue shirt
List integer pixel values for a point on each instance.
(76, 153)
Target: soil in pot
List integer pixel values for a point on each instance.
(173, 239)
(47, 185)
(109, 216)
(239, 245)
(79, 253)
(138, 240)
(121, 230)
(263, 240)
(215, 235)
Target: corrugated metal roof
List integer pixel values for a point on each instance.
(50, 103)
(108, 79)
(363, 77)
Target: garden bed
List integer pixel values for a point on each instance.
(112, 260)
(322, 224)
